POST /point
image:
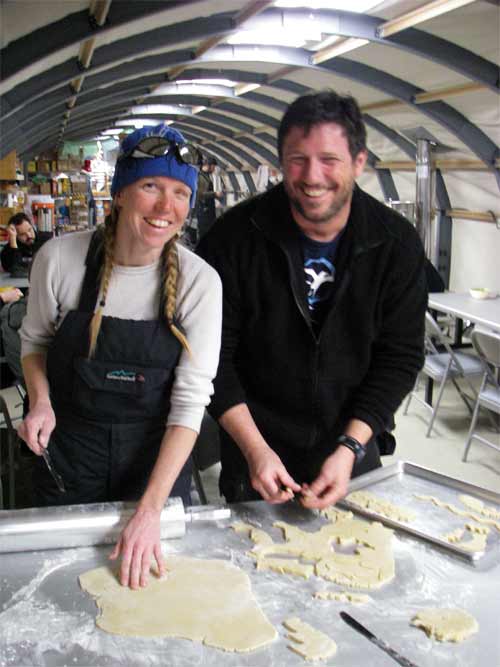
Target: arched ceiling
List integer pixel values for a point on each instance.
(73, 70)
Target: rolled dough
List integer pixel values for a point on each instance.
(446, 625)
(308, 642)
(209, 601)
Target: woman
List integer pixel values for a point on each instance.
(121, 338)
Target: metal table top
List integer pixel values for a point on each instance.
(46, 619)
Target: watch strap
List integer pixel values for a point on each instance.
(354, 445)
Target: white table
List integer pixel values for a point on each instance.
(464, 307)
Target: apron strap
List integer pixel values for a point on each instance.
(93, 262)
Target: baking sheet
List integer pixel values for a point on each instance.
(400, 482)
(46, 619)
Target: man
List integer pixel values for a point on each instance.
(324, 301)
(206, 196)
(17, 254)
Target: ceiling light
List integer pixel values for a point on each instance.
(284, 37)
(358, 6)
(212, 82)
(160, 109)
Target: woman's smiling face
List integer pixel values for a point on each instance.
(151, 211)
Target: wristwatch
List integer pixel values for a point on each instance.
(356, 447)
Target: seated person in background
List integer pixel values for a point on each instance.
(22, 244)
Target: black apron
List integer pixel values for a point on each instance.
(111, 410)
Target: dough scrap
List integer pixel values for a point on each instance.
(308, 642)
(446, 625)
(380, 506)
(454, 536)
(476, 543)
(209, 601)
(480, 518)
(477, 505)
(371, 566)
(345, 596)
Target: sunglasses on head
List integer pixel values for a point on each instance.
(157, 146)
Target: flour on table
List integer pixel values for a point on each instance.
(370, 566)
(209, 601)
(308, 642)
(371, 502)
(345, 596)
(446, 625)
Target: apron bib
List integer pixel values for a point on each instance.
(111, 410)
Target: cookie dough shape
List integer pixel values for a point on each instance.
(484, 517)
(446, 625)
(308, 642)
(371, 502)
(370, 566)
(209, 601)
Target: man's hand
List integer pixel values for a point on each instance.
(138, 544)
(332, 481)
(270, 478)
(37, 426)
(12, 233)
(10, 295)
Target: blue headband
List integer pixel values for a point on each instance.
(131, 169)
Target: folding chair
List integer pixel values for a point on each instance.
(487, 345)
(441, 366)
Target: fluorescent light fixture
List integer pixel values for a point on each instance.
(140, 122)
(198, 109)
(245, 88)
(284, 37)
(160, 109)
(112, 130)
(337, 49)
(358, 6)
(211, 82)
(423, 13)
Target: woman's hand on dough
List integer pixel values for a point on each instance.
(37, 426)
(138, 544)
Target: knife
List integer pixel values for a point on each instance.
(57, 477)
(375, 640)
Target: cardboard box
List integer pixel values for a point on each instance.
(74, 164)
(45, 189)
(8, 167)
(63, 164)
(43, 166)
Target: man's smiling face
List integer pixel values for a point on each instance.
(319, 174)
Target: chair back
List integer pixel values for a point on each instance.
(486, 342)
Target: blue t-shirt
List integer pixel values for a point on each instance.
(319, 273)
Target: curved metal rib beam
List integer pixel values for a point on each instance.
(78, 26)
(363, 26)
(477, 141)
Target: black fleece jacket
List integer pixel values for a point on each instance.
(302, 388)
